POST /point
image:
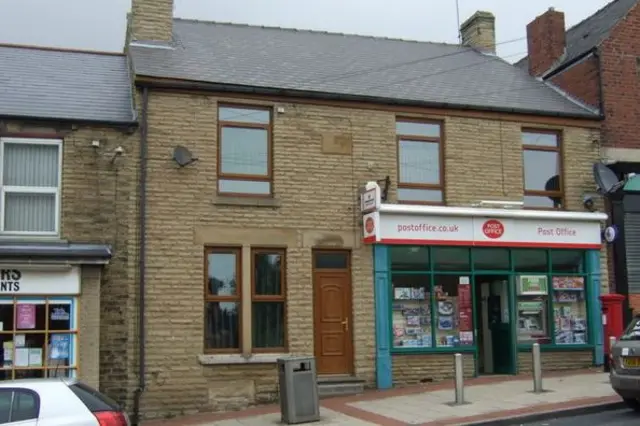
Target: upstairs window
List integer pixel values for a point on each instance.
(244, 151)
(420, 162)
(30, 174)
(542, 164)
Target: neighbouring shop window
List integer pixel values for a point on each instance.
(30, 183)
(268, 300)
(244, 150)
(39, 337)
(542, 164)
(420, 162)
(222, 300)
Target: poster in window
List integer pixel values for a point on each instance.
(59, 314)
(59, 346)
(26, 316)
(22, 357)
(465, 317)
(35, 357)
(569, 310)
(531, 285)
(20, 340)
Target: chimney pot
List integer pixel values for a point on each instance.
(479, 31)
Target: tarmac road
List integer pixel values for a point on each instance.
(608, 418)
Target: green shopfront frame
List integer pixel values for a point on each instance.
(437, 264)
(516, 258)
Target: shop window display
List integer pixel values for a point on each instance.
(38, 337)
(432, 289)
(411, 311)
(569, 310)
(453, 312)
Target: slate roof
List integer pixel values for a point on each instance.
(589, 33)
(367, 68)
(65, 85)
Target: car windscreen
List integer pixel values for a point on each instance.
(632, 332)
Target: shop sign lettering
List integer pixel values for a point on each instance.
(10, 280)
(493, 229)
(557, 232)
(426, 227)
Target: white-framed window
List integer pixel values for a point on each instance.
(30, 178)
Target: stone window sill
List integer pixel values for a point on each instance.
(227, 359)
(222, 200)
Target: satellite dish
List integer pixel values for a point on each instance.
(183, 156)
(606, 179)
(553, 185)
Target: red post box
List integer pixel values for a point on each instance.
(612, 321)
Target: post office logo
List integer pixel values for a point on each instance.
(493, 229)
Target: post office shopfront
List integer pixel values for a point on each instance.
(50, 311)
(486, 283)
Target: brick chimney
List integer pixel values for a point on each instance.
(479, 32)
(546, 41)
(151, 20)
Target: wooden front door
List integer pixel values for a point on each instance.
(333, 338)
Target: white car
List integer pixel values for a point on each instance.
(57, 402)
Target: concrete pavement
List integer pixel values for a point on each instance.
(489, 398)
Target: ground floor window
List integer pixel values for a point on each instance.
(227, 290)
(455, 297)
(39, 337)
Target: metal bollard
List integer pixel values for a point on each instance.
(537, 368)
(608, 361)
(612, 342)
(459, 372)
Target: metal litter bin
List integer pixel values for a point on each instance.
(299, 402)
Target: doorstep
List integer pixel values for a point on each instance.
(339, 385)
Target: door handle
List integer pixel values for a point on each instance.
(345, 323)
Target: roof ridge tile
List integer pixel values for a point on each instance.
(310, 31)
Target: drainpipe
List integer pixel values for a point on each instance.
(142, 188)
(596, 53)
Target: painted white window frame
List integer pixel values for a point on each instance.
(30, 189)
